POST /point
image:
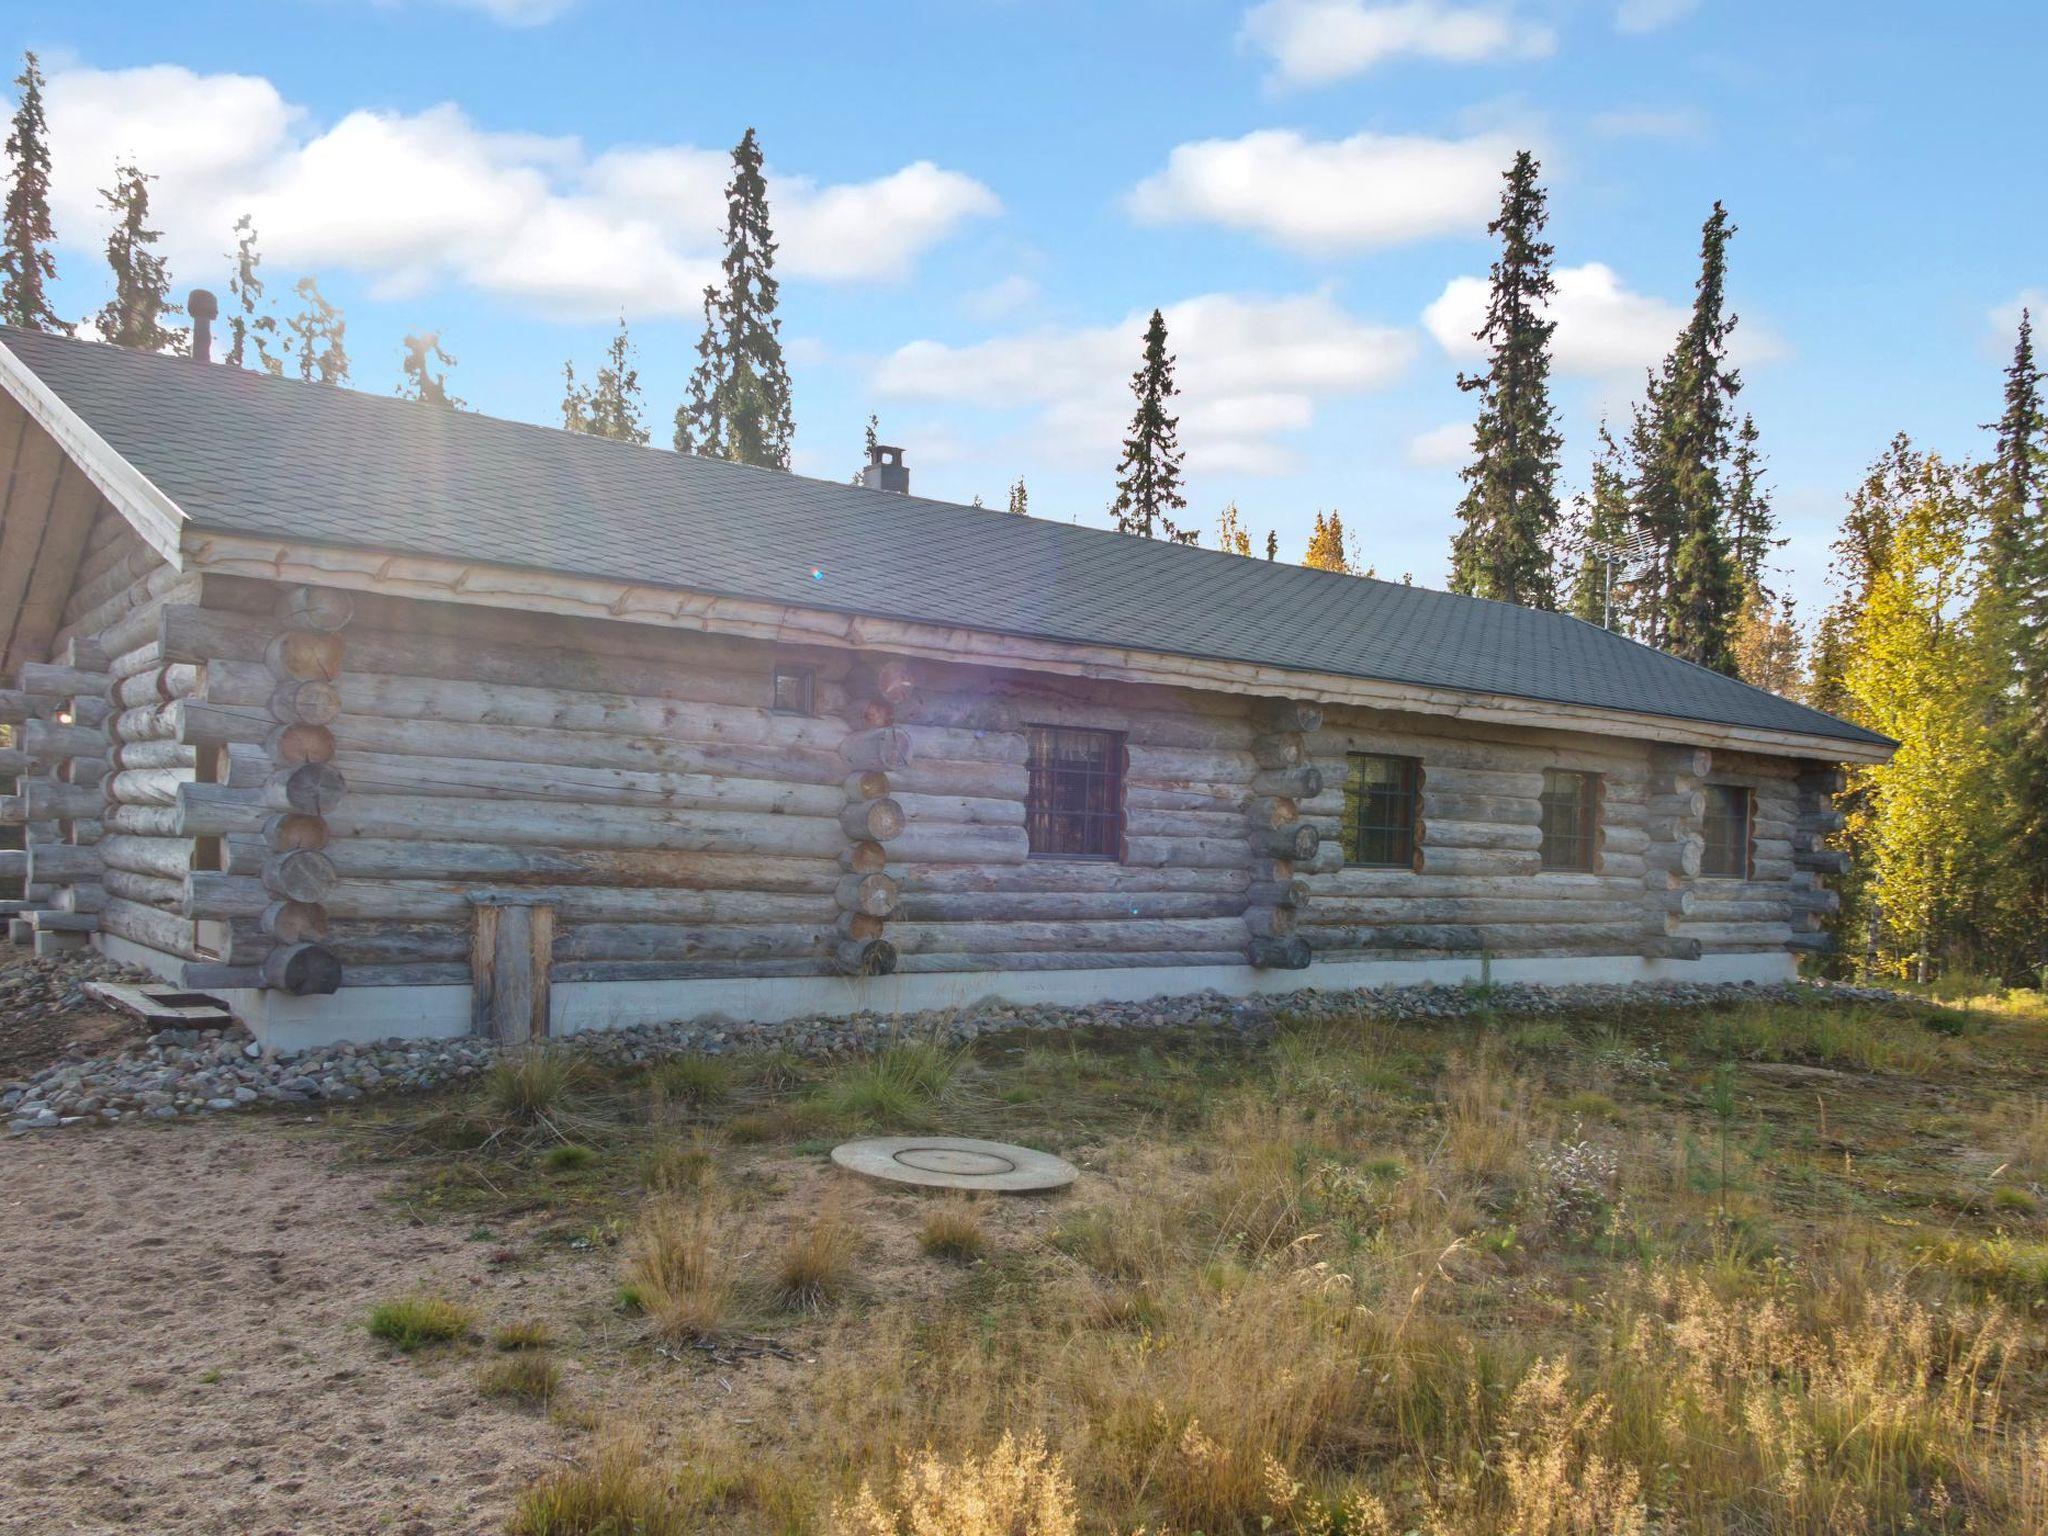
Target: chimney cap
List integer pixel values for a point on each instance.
(886, 470)
(200, 304)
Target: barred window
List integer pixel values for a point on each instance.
(1074, 801)
(794, 691)
(1382, 797)
(1729, 808)
(1571, 808)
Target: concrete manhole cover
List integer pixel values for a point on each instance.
(956, 1162)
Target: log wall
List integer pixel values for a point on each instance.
(287, 789)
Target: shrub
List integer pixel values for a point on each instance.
(531, 1378)
(816, 1265)
(681, 1268)
(531, 1084)
(673, 1167)
(413, 1322)
(1576, 1179)
(952, 1230)
(527, 1333)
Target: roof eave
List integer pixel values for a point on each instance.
(158, 519)
(433, 578)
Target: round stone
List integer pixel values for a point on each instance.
(956, 1162)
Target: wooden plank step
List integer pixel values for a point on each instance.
(166, 1007)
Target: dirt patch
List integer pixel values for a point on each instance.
(185, 1348)
(45, 1016)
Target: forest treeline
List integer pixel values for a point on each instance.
(1936, 635)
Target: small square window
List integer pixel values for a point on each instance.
(1381, 801)
(1726, 856)
(1074, 796)
(793, 691)
(1570, 818)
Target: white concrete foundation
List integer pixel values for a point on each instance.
(289, 1023)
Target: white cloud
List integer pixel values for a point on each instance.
(1003, 297)
(1313, 42)
(1603, 328)
(1330, 196)
(1651, 15)
(1441, 447)
(1251, 370)
(519, 13)
(409, 199)
(2005, 318)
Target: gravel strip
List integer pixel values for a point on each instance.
(190, 1072)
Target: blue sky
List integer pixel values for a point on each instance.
(980, 200)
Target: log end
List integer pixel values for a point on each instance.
(865, 957)
(1289, 953)
(303, 970)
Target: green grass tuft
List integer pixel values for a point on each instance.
(530, 1378)
(414, 1322)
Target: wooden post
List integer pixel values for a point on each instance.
(511, 959)
(1280, 841)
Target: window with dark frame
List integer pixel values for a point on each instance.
(1729, 808)
(1074, 800)
(1382, 796)
(793, 691)
(1571, 809)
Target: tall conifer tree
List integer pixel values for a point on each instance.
(1689, 412)
(610, 405)
(1148, 478)
(134, 316)
(1509, 513)
(26, 265)
(1020, 498)
(1751, 522)
(1600, 581)
(739, 402)
(251, 325)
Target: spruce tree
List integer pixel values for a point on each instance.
(251, 326)
(1769, 651)
(1148, 478)
(319, 336)
(1020, 499)
(1691, 416)
(870, 436)
(1600, 579)
(739, 401)
(610, 406)
(1509, 512)
(1272, 543)
(1751, 522)
(134, 316)
(26, 264)
(419, 381)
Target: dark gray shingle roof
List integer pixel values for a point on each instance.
(244, 453)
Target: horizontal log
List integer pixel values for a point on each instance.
(1439, 806)
(215, 810)
(62, 863)
(206, 893)
(1817, 943)
(1055, 876)
(1757, 933)
(1353, 911)
(1438, 859)
(498, 779)
(1176, 765)
(14, 761)
(555, 824)
(1479, 834)
(54, 920)
(1277, 893)
(51, 741)
(167, 857)
(1304, 782)
(1614, 839)
(590, 749)
(61, 682)
(888, 749)
(147, 786)
(16, 706)
(1229, 825)
(1130, 935)
(1690, 806)
(979, 907)
(1824, 861)
(153, 754)
(1284, 749)
(1188, 852)
(1270, 922)
(974, 810)
(1664, 947)
(144, 890)
(955, 843)
(85, 898)
(731, 941)
(950, 776)
(1506, 783)
(141, 820)
(1288, 715)
(1085, 960)
(47, 800)
(165, 931)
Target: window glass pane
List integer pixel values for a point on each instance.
(1726, 855)
(1380, 795)
(792, 691)
(1074, 802)
(1569, 814)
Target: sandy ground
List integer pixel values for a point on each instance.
(184, 1347)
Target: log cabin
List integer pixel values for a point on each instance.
(373, 718)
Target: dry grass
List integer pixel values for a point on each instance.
(1590, 1277)
(682, 1266)
(953, 1230)
(531, 1378)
